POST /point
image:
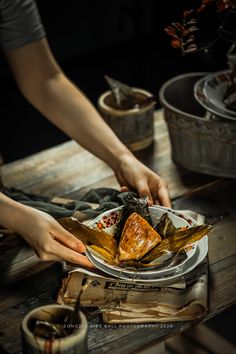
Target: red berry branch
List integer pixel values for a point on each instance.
(182, 34)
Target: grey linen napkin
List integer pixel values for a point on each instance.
(105, 198)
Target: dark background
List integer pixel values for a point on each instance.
(124, 39)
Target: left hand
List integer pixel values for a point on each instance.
(132, 174)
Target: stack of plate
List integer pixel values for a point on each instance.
(154, 274)
(209, 92)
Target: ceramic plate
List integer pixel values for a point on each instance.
(200, 95)
(107, 221)
(214, 88)
(155, 279)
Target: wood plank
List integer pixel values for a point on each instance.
(66, 168)
(17, 259)
(210, 340)
(216, 198)
(221, 240)
(222, 289)
(20, 298)
(44, 281)
(181, 345)
(158, 348)
(130, 341)
(60, 176)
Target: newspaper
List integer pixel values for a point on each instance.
(128, 301)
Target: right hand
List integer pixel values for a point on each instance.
(50, 240)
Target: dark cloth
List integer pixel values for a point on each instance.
(20, 23)
(106, 198)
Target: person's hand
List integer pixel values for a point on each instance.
(132, 174)
(50, 240)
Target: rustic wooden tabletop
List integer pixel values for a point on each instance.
(69, 171)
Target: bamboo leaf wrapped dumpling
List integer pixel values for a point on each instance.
(132, 204)
(137, 238)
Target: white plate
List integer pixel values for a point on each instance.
(200, 95)
(215, 85)
(107, 222)
(165, 280)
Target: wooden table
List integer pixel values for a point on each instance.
(69, 171)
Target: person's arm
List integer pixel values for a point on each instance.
(43, 233)
(43, 83)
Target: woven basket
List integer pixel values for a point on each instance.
(199, 144)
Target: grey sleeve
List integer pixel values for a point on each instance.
(20, 23)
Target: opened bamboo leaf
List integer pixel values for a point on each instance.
(165, 226)
(177, 241)
(105, 254)
(89, 235)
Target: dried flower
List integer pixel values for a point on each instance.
(182, 32)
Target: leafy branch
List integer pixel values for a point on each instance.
(183, 34)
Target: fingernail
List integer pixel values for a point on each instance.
(81, 248)
(157, 202)
(89, 264)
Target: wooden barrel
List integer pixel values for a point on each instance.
(134, 127)
(199, 142)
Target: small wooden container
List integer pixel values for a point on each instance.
(134, 127)
(74, 343)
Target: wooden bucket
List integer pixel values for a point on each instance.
(199, 143)
(134, 127)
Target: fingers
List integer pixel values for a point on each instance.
(56, 251)
(144, 191)
(163, 196)
(159, 196)
(159, 193)
(67, 239)
(124, 189)
(71, 256)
